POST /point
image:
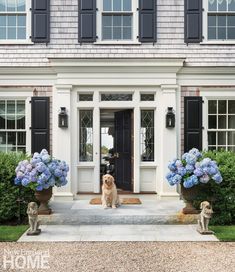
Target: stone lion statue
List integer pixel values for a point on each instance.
(32, 212)
(204, 218)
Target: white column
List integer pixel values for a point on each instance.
(136, 127)
(168, 142)
(61, 138)
(136, 150)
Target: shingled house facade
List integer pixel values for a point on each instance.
(115, 68)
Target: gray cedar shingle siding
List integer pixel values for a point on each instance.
(64, 41)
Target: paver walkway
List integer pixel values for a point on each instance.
(72, 233)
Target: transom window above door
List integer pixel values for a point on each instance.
(221, 19)
(118, 19)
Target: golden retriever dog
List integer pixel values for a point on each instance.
(109, 193)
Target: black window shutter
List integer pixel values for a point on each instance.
(193, 21)
(41, 21)
(40, 123)
(147, 20)
(192, 123)
(86, 21)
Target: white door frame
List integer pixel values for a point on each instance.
(97, 105)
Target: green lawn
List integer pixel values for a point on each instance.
(11, 233)
(224, 233)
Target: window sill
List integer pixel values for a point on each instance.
(15, 42)
(150, 164)
(218, 42)
(117, 43)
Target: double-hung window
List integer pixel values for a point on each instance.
(12, 125)
(220, 17)
(14, 20)
(221, 124)
(117, 20)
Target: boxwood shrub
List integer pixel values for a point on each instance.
(9, 193)
(221, 195)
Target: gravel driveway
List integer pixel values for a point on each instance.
(132, 256)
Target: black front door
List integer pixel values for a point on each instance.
(122, 149)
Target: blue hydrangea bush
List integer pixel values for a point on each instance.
(41, 172)
(192, 169)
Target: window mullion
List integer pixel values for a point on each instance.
(112, 27)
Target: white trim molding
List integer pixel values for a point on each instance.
(214, 94)
(205, 25)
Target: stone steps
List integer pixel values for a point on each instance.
(150, 212)
(78, 219)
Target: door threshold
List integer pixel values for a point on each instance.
(119, 192)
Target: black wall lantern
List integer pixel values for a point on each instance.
(63, 118)
(170, 118)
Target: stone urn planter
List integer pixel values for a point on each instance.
(44, 197)
(189, 195)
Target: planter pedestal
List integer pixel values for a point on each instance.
(189, 209)
(43, 197)
(188, 196)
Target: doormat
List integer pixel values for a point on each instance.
(124, 201)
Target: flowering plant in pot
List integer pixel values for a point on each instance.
(191, 171)
(41, 173)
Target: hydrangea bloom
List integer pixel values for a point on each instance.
(182, 171)
(189, 168)
(172, 166)
(190, 159)
(198, 172)
(196, 153)
(217, 178)
(192, 170)
(190, 181)
(41, 172)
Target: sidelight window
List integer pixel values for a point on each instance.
(147, 135)
(86, 135)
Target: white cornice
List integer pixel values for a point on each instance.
(34, 70)
(117, 65)
(209, 70)
(158, 62)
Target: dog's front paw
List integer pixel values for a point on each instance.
(114, 207)
(105, 207)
